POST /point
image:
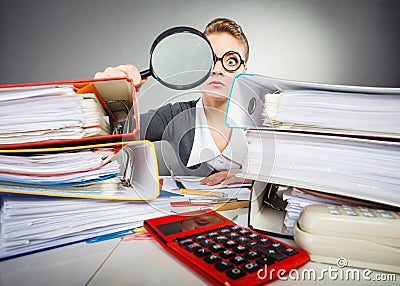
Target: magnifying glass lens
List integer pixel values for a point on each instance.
(182, 60)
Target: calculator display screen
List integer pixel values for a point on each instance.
(189, 224)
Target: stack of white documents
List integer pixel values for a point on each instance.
(30, 224)
(371, 114)
(187, 194)
(73, 173)
(42, 113)
(355, 167)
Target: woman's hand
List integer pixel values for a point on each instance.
(129, 71)
(224, 178)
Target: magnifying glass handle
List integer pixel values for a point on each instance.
(146, 73)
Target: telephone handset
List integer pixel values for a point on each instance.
(360, 236)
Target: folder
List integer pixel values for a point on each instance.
(250, 94)
(115, 98)
(61, 188)
(247, 109)
(137, 178)
(115, 95)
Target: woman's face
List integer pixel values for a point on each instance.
(218, 85)
(201, 221)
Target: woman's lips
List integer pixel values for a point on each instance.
(201, 222)
(216, 83)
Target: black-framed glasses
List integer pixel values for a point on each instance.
(231, 61)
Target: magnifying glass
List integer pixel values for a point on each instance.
(180, 58)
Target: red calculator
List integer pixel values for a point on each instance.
(223, 252)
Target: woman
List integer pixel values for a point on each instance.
(196, 129)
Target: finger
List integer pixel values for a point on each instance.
(133, 73)
(231, 180)
(208, 179)
(101, 75)
(235, 180)
(141, 83)
(216, 178)
(115, 72)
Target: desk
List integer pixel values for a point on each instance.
(136, 262)
(70, 265)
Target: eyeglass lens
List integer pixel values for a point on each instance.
(231, 61)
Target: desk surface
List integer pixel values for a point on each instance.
(116, 262)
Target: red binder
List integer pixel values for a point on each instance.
(116, 95)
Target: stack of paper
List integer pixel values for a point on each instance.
(370, 113)
(57, 186)
(332, 139)
(361, 168)
(190, 195)
(30, 224)
(60, 173)
(42, 113)
(60, 179)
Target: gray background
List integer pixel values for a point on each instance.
(355, 42)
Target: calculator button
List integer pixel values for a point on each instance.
(207, 243)
(241, 249)
(212, 259)
(201, 252)
(223, 265)
(199, 238)
(254, 245)
(185, 242)
(277, 246)
(225, 231)
(252, 255)
(243, 240)
(193, 247)
(278, 256)
(221, 239)
(265, 261)
(235, 273)
(227, 253)
(244, 232)
(237, 260)
(236, 228)
(234, 235)
(289, 251)
(231, 243)
(217, 248)
(251, 267)
(212, 234)
(265, 241)
(254, 236)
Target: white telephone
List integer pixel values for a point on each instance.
(364, 237)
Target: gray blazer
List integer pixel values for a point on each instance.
(172, 128)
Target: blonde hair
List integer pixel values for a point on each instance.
(224, 25)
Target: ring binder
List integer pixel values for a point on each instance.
(337, 160)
